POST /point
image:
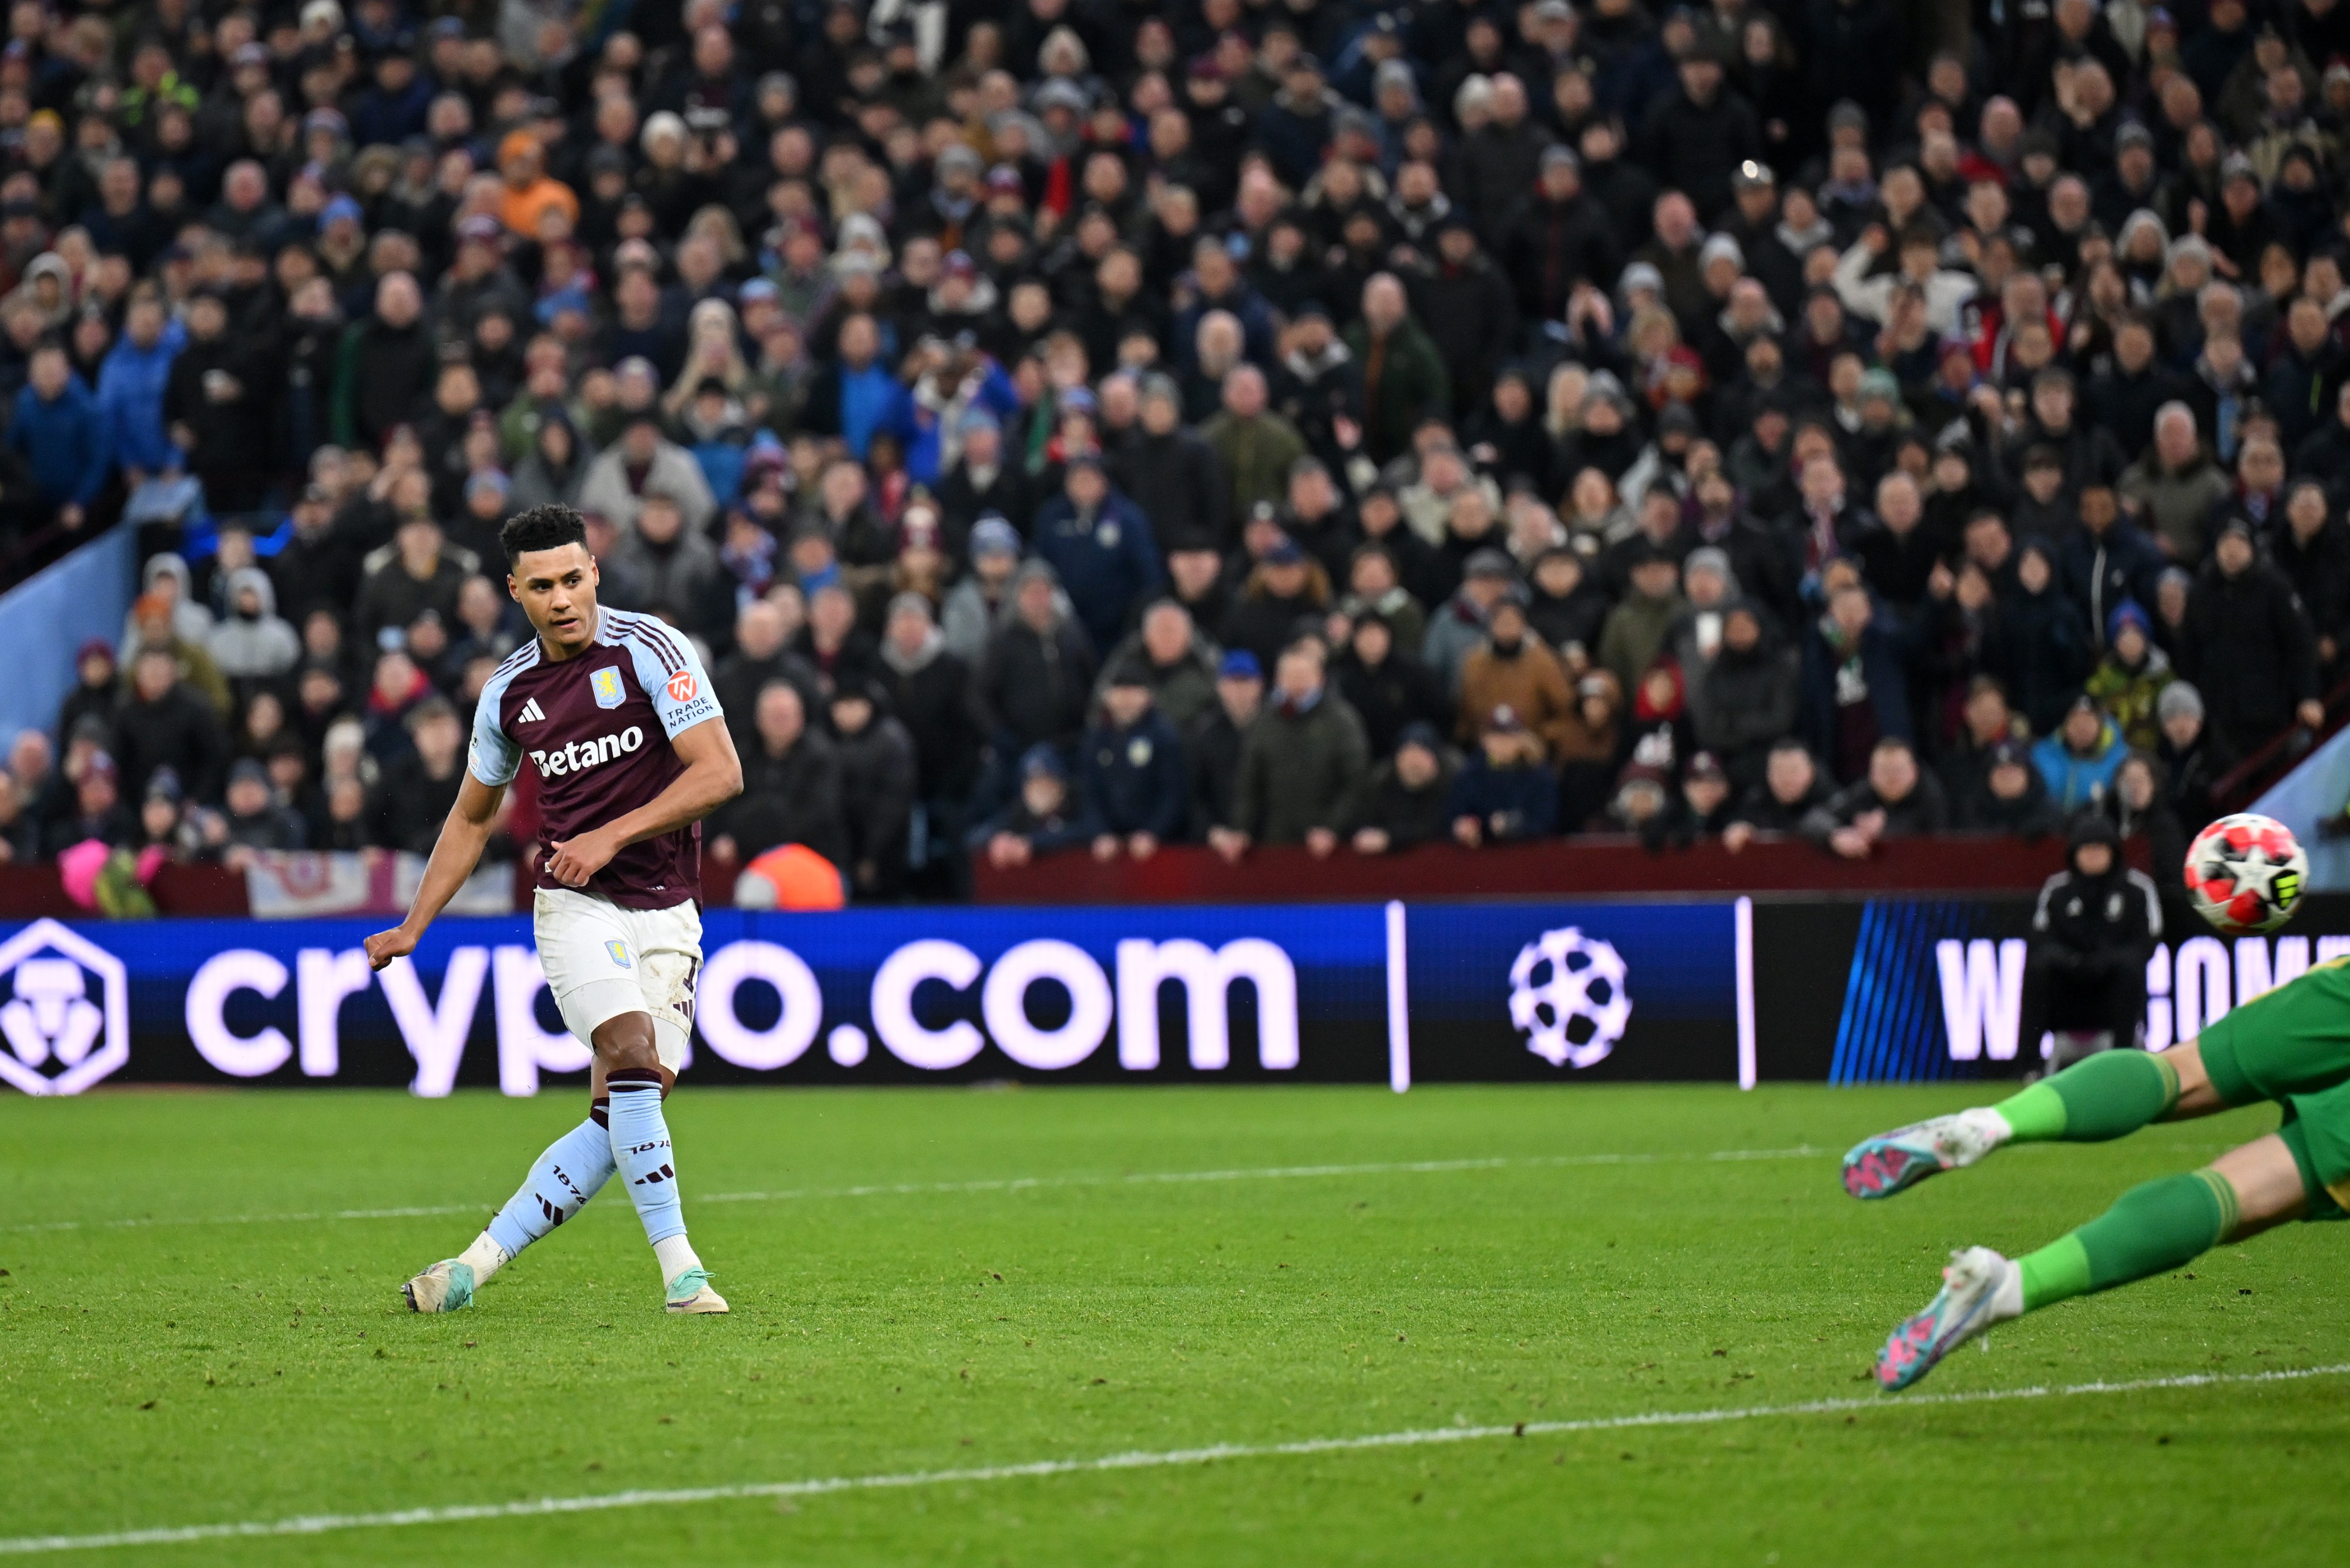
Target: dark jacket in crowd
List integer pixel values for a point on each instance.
(1135, 779)
(794, 798)
(1296, 765)
(2249, 649)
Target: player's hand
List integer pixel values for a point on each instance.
(576, 860)
(385, 946)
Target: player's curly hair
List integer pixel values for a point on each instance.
(549, 528)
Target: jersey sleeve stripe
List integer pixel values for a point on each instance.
(663, 639)
(661, 653)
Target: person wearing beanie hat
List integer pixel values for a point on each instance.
(2129, 680)
(1406, 801)
(2079, 758)
(2005, 792)
(1044, 815)
(1507, 791)
(1034, 684)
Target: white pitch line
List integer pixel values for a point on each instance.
(535, 1508)
(998, 1184)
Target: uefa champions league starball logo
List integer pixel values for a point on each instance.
(1566, 993)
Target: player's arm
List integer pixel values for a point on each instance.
(455, 855)
(712, 776)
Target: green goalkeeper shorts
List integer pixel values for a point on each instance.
(2293, 1047)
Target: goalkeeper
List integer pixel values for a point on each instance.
(2292, 1046)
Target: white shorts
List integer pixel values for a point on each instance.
(602, 960)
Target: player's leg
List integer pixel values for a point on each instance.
(2106, 1095)
(627, 1047)
(2294, 1040)
(574, 933)
(567, 1174)
(2152, 1229)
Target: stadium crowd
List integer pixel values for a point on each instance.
(1075, 426)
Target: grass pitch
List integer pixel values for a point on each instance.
(196, 1329)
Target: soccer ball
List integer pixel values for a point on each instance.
(2246, 873)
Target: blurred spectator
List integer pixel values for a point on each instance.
(2079, 757)
(1637, 627)
(2313, 551)
(1405, 801)
(1896, 799)
(1783, 804)
(163, 722)
(2129, 682)
(1513, 669)
(1134, 775)
(417, 573)
(253, 642)
(1855, 686)
(96, 688)
(1283, 594)
(791, 787)
(96, 810)
(1214, 745)
(1404, 379)
(1175, 662)
(58, 428)
(643, 463)
(1506, 792)
(677, 568)
(2248, 647)
(1299, 758)
(130, 390)
(878, 785)
(1098, 545)
(1038, 678)
(928, 688)
(218, 404)
(254, 819)
(1744, 699)
(2174, 486)
(420, 785)
(1042, 817)
(2189, 767)
(2008, 793)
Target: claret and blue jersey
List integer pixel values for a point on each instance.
(597, 729)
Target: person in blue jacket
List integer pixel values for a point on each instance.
(59, 431)
(1135, 777)
(2080, 757)
(1044, 816)
(130, 382)
(1100, 544)
(1507, 791)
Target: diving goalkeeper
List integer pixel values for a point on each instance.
(2292, 1046)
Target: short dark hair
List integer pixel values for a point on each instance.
(549, 528)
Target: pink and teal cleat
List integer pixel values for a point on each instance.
(1979, 1289)
(1893, 1162)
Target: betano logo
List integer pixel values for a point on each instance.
(580, 755)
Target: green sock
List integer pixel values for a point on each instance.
(2150, 1229)
(2107, 1095)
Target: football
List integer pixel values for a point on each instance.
(2245, 873)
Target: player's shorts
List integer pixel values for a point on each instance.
(2293, 1047)
(602, 960)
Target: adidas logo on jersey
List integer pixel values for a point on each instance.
(530, 712)
(581, 756)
